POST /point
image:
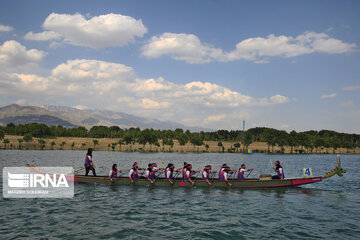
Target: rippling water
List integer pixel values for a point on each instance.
(329, 209)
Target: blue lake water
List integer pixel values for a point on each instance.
(329, 209)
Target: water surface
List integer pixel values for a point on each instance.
(329, 209)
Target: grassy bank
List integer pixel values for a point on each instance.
(111, 144)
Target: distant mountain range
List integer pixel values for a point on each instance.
(72, 117)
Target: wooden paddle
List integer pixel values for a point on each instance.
(249, 173)
(79, 169)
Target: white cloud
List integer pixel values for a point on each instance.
(43, 36)
(351, 88)
(115, 86)
(5, 28)
(189, 48)
(186, 47)
(285, 126)
(332, 95)
(13, 54)
(347, 104)
(97, 32)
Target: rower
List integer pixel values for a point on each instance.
(188, 174)
(113, 172)
(206, 173)
(242, 170)
(134, 174)
(150, 173)
(183, 171)
(169, 173)
(279, 170)
(226, 175)
(89, 165)
(221, 171)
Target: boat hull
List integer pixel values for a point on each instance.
(248, 183)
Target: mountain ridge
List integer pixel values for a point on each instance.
(72, 117)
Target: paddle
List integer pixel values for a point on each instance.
(79, 169)
(249, 173)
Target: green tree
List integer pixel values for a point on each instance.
(113, 145)
(20, 142)
(6, 141)
(62, 144)
(120, 142)
(2, 134)
(27, 137)
(52, 145)
(42, 143)
(207, 147)
(83, 145)
(72, 145)
(237, 146)
(170, 143)
(220, 144)
(95, 142)
(182, 139)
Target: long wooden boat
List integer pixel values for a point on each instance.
(261, 182)
(247, 183)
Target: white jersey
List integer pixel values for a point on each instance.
(131, 172)
(225, 176)
(205, 174)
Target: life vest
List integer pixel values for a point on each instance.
(113, 174)
(88, 161)
(207, 175)
(183, 171)
(186, 177)
(166, 174)
(135, 175)
(241, 174)
(280, 174)
(221, 174)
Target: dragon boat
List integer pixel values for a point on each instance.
(264, 181)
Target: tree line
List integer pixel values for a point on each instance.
(300, 142)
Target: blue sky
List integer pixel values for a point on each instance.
(290, 65)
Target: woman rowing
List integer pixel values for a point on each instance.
(183, 171)
(279, 170)
(169, 173)
(134, 173)
(188, 174)
(206, 173)
(89, 165)
(150, 173)
(113, 172)
(226, 173)
(222, 170)
(242, 171)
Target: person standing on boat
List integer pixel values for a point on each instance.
(188, 174)
(150, 173)
(206, 173)
(242, 171)
(279, 170)
(89, 165)
(169, 173)
(226, 173)
(113, 172)
(134, 174)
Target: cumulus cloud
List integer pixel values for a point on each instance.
(189, 48)
(14, 54)
(5, 28)
(43, 36)
(332, 95)
(351, 88)
(115, 86)
(97, 32)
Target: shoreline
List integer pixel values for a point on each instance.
(111, 144)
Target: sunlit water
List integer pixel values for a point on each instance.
(329, 209)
